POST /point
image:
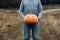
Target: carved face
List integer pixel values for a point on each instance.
(30, 18)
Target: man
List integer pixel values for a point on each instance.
(35, 7)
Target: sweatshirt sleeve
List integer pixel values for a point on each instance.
(21, 9)
(39, 10)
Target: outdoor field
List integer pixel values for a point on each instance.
(11, 24)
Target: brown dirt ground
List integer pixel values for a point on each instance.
(11, 25)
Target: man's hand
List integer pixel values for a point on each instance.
(23, 19)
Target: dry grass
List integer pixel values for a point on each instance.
(11, 25)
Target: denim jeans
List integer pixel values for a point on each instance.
(34, 27)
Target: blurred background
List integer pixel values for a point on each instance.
(11, 23)
(16, 3)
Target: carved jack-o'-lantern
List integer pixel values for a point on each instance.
(30, 18)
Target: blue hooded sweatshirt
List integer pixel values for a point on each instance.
(30, 6)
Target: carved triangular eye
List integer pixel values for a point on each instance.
(27, 16)
(32, 16)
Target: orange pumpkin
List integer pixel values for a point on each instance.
(30, 18)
